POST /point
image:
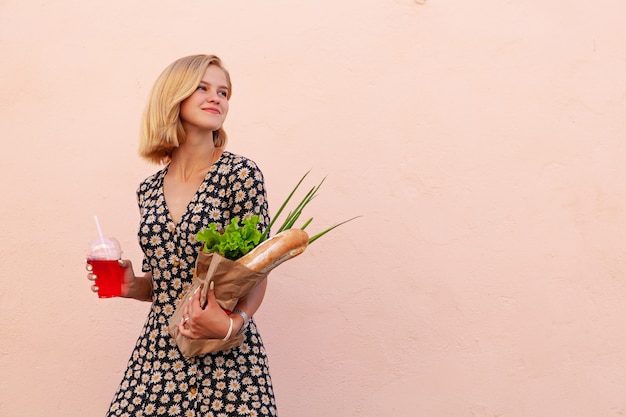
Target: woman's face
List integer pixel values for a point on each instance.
(206, 108)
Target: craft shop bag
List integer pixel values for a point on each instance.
(231, 281)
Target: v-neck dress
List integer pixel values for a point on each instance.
(159, 380)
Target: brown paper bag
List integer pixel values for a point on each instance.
(231, 281)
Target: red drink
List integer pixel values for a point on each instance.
(109, 277)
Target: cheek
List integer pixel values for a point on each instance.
(184, 106)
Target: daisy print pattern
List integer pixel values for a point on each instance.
(159, 380)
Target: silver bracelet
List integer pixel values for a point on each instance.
(230, 331)
(244, 316)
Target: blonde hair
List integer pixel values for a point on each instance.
(161, 127)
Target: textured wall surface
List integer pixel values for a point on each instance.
(483, 143)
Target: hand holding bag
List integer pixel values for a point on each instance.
(232, 281)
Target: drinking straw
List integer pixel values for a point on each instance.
(102, 236)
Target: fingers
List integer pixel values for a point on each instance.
(182, 326)
(91, 277)
(191, 312)
(186, 314)
(190, 308)
(211, 292)
(193, 301)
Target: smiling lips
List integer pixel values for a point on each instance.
(211, 110)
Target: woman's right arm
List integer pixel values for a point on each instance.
(137, 287)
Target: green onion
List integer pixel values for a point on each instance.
(294, 215)
(320, 234)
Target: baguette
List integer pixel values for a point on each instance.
(276, 250)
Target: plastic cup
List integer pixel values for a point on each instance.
(103, 256)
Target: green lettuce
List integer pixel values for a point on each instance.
(234, 241)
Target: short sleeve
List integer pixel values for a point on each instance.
(249, 196)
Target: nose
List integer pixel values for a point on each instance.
(213, 97)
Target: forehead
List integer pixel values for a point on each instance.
(215, 75)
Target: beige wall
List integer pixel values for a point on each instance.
(483, 142)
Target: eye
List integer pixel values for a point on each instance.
(223, 93)
(201, 87)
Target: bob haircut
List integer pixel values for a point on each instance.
(161, 127)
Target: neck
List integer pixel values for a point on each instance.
(193, 157)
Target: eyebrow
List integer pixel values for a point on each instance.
(225, 87)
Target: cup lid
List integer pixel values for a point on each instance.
(107, 248)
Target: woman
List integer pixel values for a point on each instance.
(201, 183)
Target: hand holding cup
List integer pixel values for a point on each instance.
(105, 267)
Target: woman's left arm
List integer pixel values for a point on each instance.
(246, 307)
(212, 322)
(257, 199)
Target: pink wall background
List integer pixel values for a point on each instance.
(482, 142)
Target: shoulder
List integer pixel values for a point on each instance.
(240, 165)
(151, 182)
(234, 159)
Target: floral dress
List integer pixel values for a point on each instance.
(159, 380)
